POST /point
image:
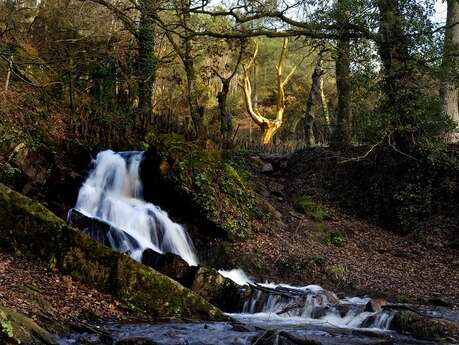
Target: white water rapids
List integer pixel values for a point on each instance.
(113, 193)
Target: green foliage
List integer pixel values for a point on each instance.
(307, 205)
(7, 328)
(337, 273)
(211, 189)
(334, 238)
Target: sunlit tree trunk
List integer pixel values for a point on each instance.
(268, 127)
(450, 67)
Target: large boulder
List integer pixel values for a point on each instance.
(218, 290)
(208, 283)
(205, 189)
(28, 228)
(410, 322)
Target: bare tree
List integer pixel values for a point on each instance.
(226, 121)
(268, 127)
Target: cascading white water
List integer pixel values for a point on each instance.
(315, 304)
(113, 193)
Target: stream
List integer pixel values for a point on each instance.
(113, 194)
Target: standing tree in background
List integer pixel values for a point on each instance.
(342, 135)
(450, 67)
(316, 100)
(144, 34)
(226, 119)
(147, 63)
(398, 84)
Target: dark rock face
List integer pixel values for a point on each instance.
(30, 229)
(200, 187)
(409, 322)
(171, 265)
(217, 289)
(99, 230)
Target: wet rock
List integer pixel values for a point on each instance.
(218, 290)
(271, 337)
(136, 341)
(440, 301)
(171, 265)
(30, 229)
(369, 321)
(99, 230)
(319, 312)
(409, 322)
(375, 305)
(342, 309)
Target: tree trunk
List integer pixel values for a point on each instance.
(342, 135)
(450, 68)
(313, 102)
(146, 62)
(196, 111)
(226, 123)
(268, 130)
(8, 74)
(398, 85)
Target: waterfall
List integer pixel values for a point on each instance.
(113, 193)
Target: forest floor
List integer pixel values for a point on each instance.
(346, 254)
(30, 287)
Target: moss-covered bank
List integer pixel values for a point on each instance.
(28, 228)
(16, 328)
(209, 191)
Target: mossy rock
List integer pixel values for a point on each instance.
(218, 290)
(28, 228)
(409, 322)
(207, 190)
(16, 328)
(307, 205)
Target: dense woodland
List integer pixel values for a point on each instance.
(302, 141)
(338, 73)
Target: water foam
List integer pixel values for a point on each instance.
(113, 192)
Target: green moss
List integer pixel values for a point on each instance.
(408, 322)
(17, 328)
(30, 229)
(334, 238)
(337, 274)
(219, 197)
(306, 205)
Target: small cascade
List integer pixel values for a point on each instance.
(312, 303)
(113, 193)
